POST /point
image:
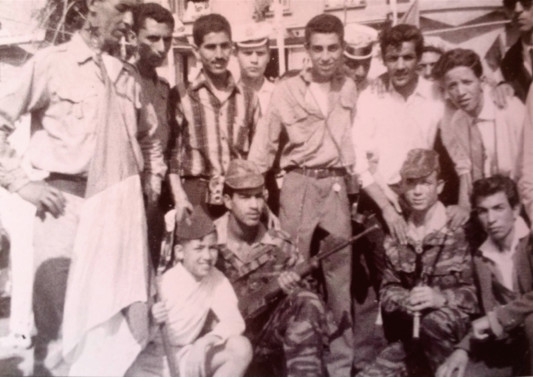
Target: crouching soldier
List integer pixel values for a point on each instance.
(503, 266)
(189, 291)
(427, 294)
(291, 328)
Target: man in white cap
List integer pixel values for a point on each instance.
(253, 54)
(358, 52)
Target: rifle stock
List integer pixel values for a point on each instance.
(254, 304)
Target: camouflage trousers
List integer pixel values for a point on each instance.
(295, 331)
(440, 331)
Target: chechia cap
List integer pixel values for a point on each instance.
(420, 163)
(360, 41)
(195, 226)
(254, 34)
(243, 175)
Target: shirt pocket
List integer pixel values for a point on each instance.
(76, 109)
(298, 124)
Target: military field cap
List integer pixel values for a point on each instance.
(195, 226)
(254, 34)
(360, 41)
(420, 163)
(243, 174)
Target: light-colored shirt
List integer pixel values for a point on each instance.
(62, 87)
(503, 259)
(526, 56)
(313, 140)
(188, 302)
(264, 95)
(387, 126)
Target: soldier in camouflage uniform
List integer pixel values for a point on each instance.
(293, 327)
(430, 277)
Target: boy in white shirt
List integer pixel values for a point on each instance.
(189, 292)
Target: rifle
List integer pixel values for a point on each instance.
(256, 303)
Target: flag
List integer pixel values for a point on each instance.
(412, 15)
(106, 312)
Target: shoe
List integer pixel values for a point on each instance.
(15, 341)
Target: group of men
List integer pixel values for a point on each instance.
(105, 132)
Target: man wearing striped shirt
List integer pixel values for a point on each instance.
(216, 118)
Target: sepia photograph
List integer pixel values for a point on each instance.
(266, 188)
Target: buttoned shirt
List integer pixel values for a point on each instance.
(62, 87)
(189, 301)
(156, 89)
(264, 95)
(503, 260)
(387, 126)
(313, 140)
(441, 260)
(211, 133)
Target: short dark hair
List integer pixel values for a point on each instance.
(458, 57)
(210, 23)
(151, 10)
(395, 36)
(497, 183)
(431, 48)
(324, 23)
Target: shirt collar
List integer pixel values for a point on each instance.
(490, 250)
(424, 88)
(436, 222)
(188, 279)
(221, 224)
(488, 111)
(336, 81)
(202, 81)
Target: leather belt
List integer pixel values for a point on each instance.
(72, 184)
(319, 173)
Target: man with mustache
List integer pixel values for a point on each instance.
(313, 111)
(517, 64)
(92, 152)
(292, 328)
(215, 118)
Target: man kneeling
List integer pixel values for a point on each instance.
(504, 269)
(291, 328)
(427, 290)
(190, 290)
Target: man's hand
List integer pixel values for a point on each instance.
(457, 216)
(501, 93)
(456, 362)
(395, 223)
(45, 197)
(196, 362)
(481, 328)
(152, 188)
(159, 312)
(182, 205)
(288, 280)
(424, 297)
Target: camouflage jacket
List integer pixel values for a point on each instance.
(442, 261)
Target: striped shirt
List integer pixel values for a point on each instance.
(211, 133)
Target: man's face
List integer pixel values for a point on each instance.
(357, 69)
(214, 53)
(523, 15)
(422, 193)
(325, 51)
(253, 61)
(464, 89)
(426, 64)
(198, 256)
(112, 19)
(496, 215)
(154, 40)
(401, 63)
(246, 207)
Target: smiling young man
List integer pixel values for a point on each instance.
(216, 119)
(314, 110)
(291, 329)
(429, 278)
(517, 64)
(503, 265)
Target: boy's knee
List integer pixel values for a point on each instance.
(239, 348)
